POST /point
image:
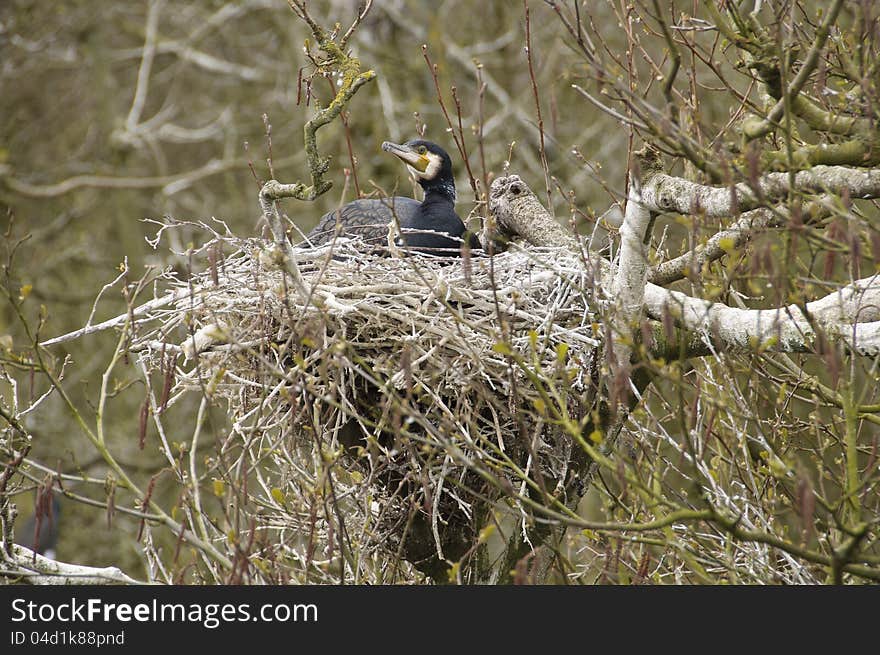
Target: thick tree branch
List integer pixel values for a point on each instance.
(826, 121)
(851, 314)
(31, 568)
(628, 285)
(725, 241)
(859, 151)
(665, 193)
(786, 329)
(515, 211)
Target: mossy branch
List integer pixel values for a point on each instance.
(810, 63)
(855, 152)
(815, 117)
(351, 79)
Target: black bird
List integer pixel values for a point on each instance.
(430, 226)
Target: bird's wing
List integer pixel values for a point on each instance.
(368, 218)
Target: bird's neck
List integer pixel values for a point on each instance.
(440, 192)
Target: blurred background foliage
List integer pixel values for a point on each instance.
(99, 132)
(95, 137)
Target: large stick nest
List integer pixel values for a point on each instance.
(430, 379)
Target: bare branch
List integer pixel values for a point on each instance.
(32, 568)
(351, 79)
(664, 193)
(785, 329)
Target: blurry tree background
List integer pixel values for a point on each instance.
(116, 112)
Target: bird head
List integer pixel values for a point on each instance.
(427, 161)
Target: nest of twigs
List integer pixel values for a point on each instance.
(415, 390)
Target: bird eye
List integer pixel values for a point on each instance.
(422, 150)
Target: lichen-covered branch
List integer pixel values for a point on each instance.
(808, 67)
(26, 567)
(726, 241)
(665, 193)
(351, 78)
(851, 314)
(859, 151)
(628, 285)
(515, 211)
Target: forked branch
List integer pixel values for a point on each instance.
(351, 78)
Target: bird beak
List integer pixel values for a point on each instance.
(407, 154)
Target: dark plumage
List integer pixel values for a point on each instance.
(430, 226)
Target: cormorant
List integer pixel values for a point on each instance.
(430, 226)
